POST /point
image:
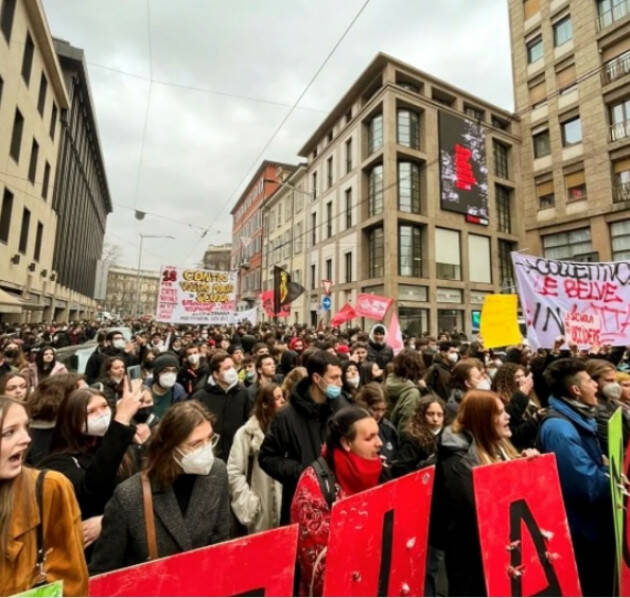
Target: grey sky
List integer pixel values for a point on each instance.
(199, 146)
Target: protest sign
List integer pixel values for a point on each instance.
(267, 302)
(587, 302)
(499, 321)
(54, 589)
(378, 539)
(372, 306)
(525, 543)
(251, 315)
(257, 565)
(195, 296)
(615, 459)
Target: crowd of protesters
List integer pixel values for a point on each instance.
(185, 436)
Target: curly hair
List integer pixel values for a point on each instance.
(418, 428)
(503, 383)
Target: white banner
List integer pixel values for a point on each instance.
(195, 296)
(586, 303)
(249, 314)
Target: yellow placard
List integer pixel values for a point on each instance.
(499, 321)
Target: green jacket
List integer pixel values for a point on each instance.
(403, 397)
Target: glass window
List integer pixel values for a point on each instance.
(568, 245)
(26, 224)
(447, 254)
(409, 250)
(545, 195)
(32, 167)
(620, 240)
(41, 101)
(575, 185)
(619, 120)
(534, 50)
(562, 31)
(5, 215)
(348, 260)
(38, 241)
(473, 113)
(450, 320)
(408, 128)
(329, 274)
(571, 131)
(501, 159)
(376, 253)
(506, 275)
(329, 220)
(313, 278)
(329, 171)
(314, 185)
(409, 187)
(479, 259)
(6, 18)
(46, 181)
(314, 228)
(349, 155)
(348, 208)
(504, 215)
(27, 59)
(621, 182)
(541, 144)
(375, 134)
(16, 136)
(413, 321)
(375, 190)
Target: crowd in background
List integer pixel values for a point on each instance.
(216, 432)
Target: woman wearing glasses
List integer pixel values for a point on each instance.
(185, 490)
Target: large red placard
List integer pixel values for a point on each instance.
(525, 543)
(257, 565)
(625, 554)
(378, 539)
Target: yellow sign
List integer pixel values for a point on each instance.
(499, 323)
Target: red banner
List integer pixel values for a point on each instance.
(345, 314)
(525, 543)
(372, 306)
(258, 565)
(266, 299)
(378, 539)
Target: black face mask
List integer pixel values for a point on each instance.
(148, 364)
(11, 353)
(142, 415)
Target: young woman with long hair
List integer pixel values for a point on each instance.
(21, 513)
(256, 497)
(351, 380)
(351, 463)
(45, 365)
(17, 361)
(112, 379)
(372, 397)
(480, 435)
(186, 488)
(15, 386)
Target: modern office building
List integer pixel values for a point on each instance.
(32, 98)
(413, 195)
(218, 257)
(123, 287)
(571, 63)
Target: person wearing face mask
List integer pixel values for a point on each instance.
(185, 487)
(194, 371)
(296, 434)
(89, 446)
(163, 386)
(349, 463)
(45, 365)
(466, 375)
(438, 376)
(402, 388)
(115, 346)
(14, 356)
(351, 380)
(225, 397)
(605, 375)
(378, 350)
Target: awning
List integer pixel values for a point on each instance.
(14, 299)
(9, 303)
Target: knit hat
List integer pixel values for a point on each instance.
(163, 361)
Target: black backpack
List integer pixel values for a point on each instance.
(327, 480)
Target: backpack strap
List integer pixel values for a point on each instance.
(149, 521)
(326, 479)
(40, 578)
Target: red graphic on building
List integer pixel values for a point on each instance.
(463, 170)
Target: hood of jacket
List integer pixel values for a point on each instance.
(302, 402)
(395, 385)
(371, 335)
(457, 443)
(588, 424)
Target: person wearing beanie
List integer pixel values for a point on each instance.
(165, 390)
(378, 350)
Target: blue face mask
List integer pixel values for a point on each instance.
(333, 391)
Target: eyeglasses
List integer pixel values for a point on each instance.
(214, 440)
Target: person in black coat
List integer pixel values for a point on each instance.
(378, 350)
(115, 346)
(194, 371)
(297, 433)
(226, 398)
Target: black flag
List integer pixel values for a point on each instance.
(284, 291)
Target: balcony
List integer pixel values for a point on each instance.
(620, 130)
(616, 68)
(621, 192)
(619, 11)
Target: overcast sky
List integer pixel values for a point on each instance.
(200, 147)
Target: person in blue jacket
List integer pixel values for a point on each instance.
(569, 430)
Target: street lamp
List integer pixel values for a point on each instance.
(142, 237)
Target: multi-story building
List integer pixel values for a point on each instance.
(32, 97)
(218, 257)
(81, 197)
(247, 233)
(413, 196)
(571, 63)
(284, 230)
(123, 287)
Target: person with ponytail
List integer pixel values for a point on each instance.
(23, 515)
(350, 463)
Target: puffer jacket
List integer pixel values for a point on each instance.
(403, 398)
(295, 439)
(256, 497)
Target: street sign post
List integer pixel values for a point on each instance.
(326, 302)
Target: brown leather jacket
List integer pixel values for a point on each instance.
(62, 534)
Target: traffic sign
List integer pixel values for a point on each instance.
(326, 302)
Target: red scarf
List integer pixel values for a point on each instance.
(355, 473)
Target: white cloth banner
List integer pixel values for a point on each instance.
(586, 303)
(251, 315)
(196, 296)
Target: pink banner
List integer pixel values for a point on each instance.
(372, 306)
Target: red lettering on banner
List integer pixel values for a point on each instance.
(586, 290)
(388, 526)
(549, 286)
(239, 567)
(463, 170)
(525, 543)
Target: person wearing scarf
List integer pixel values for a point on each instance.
(351, 459)
(569, 430)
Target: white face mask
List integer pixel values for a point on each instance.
(354, 382)
(119, 344)
(193, 359)
(612, 391)
(197, 462)
(168, 379)
(230, 377)
(97, 425)
(453, 357)
(484, 384)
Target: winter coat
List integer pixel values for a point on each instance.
(603, 412)
(453, 517)
(61, 533)
(438, 379)
(193, 380)
(452, 405)
(524, 427)
(112, 391)
(41, 433)
(58, 368)
(410, 457)
(403, 398)
(230, 408)
(583, 476)
(295, 439)
(98, 357)
(381, 354)
(389, 437)
(256, 498)
(94, 473)
(123, 541)
(177, 393)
